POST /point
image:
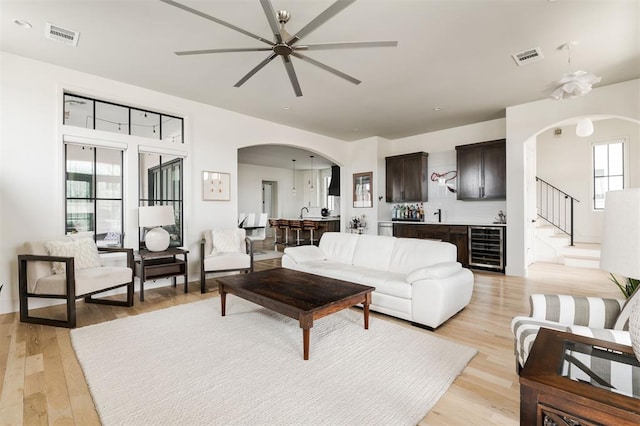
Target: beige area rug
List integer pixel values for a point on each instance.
(188, 365)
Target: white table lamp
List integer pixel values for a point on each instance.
(154, 217)
(620, 249)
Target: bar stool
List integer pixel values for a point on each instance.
(296, 225)
(273, 223)
(310, 225)
(283, 225)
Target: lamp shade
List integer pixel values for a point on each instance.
(584, 127)
(620, 248)
(151, 216)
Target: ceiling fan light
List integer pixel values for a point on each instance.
(584, 127)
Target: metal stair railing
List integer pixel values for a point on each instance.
(555, 206)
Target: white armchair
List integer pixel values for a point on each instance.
(224, 250)
(69, 269)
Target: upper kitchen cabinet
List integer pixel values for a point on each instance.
(482, 170)
(406, 178)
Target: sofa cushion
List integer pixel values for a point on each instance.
(410, 254)
(305, 254)
(88, 280)
(232, 260)
(439, 270)
(373, 252)
(339, 246)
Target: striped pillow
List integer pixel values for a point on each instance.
(622, 323)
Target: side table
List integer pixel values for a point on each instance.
(153, 265)
(564, 382)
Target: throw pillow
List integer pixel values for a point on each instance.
(226, 240)
(622, 323)
(84, 252)
(59, 248)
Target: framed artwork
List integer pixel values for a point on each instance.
(362, 196)
(215, 186)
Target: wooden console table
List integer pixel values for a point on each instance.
(551, 393)
(153, 265)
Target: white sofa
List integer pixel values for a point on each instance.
(416, 280)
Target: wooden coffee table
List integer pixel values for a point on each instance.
(298, 295)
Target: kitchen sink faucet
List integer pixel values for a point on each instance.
(304, 208)
(439, 213)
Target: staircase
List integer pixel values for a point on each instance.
(554, 230)
(553, 246)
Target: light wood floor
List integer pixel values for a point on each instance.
(41, 381)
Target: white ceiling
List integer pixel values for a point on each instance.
(451, 54)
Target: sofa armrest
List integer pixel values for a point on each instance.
(622, 337)
(437, 271)
(593, 312)
(305, 254)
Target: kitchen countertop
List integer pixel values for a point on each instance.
(317, 219)
(469, 223)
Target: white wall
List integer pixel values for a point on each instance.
(566, 162)
(31, 157)
(528, 120)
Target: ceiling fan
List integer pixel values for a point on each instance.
(285, 45)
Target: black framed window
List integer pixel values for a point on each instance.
(608, 170)
(94, 193)
(161, 183)
(82, 111)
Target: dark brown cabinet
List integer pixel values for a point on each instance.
(482, 170)
(406, 178)
(454, 234)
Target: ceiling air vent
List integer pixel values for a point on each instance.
(528, 56)
(54, 32)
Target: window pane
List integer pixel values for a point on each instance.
(108, 222)
(600, 160)
(616, 159)
(78, 112)
(108, 173)
(79, 215)
(615, 183)
(112, 118)
(600, 187)
(171, 129)
(146, 162)
(79, 179)
(145, 124)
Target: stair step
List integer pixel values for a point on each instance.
(582, 262)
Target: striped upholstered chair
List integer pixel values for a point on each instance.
(605, 319)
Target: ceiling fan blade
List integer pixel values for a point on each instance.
(271, 18)
(329, 13)
(217, 21)
(255, 70)
(327, 68)
(288, 65)
(206, 51)
(347, 45)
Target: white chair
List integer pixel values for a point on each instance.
(260, 232)
(69, 269)
(224, 250)
(249, 221)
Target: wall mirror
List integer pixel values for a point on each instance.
(362, 189)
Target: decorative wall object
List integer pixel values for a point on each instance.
(215, 186)
(362, 196)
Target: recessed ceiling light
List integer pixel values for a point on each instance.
(22, 24)
(437, 108)
(286, 107)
